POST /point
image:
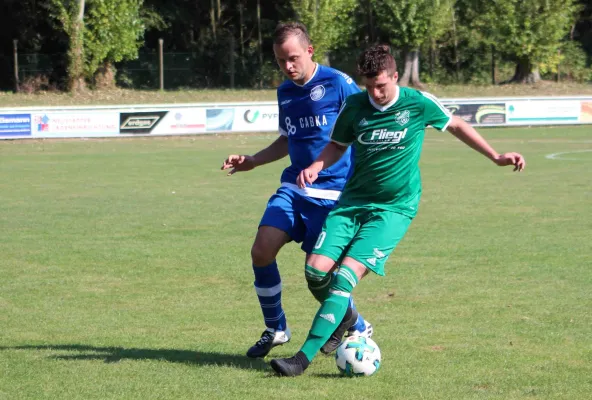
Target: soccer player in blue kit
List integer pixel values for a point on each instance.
(309, 102)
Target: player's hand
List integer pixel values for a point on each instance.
(308, 175)
(238, 163)
(514, 159)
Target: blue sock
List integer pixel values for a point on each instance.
(360, 325)
(268, 286)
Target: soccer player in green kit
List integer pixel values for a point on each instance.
(386, 126)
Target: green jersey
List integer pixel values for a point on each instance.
(387, 144)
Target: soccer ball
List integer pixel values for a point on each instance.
(358, 356)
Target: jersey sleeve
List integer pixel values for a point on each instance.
(435, 114)
(347, 87)
(282, 128)
(342, 132)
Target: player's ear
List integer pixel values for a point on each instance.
(396, 76)
(310, 50)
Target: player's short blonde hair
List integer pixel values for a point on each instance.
(285, 30)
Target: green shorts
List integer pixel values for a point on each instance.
(366, 234)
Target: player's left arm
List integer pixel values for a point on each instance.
(469, 135)
(439, 117)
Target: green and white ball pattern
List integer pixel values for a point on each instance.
(358, 356)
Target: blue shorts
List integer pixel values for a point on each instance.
(300, 217)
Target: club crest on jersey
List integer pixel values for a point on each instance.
(402, 117)
(317, 93)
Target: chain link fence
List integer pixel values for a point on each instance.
(179, 70)
(216, 68)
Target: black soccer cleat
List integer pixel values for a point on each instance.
(269, 339)
(350, 318)
(292, 366)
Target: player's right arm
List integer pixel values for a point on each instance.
(241, 163)
(275, 151)
(329, 156)
(342, 135)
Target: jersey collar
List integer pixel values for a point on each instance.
(311, 77)
(386, 106)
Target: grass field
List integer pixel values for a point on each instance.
(121, 96)
(125, 274)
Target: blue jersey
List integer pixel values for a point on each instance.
(307, 114)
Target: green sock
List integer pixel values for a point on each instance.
(319, 282)
(331, 312)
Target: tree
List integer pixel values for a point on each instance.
(71, 15)
(582, 29)
(101, 32)
(114, 31)
(329, 23)
(528, 31)
(408, 24)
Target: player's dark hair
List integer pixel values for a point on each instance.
(285, 30)
(376, 59)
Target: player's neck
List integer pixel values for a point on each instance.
(388, 104)
(309, 75)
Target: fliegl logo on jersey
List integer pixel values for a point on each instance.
(382, 136)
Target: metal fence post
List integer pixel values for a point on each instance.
(493, 78)
(16, 67)
(232, 72)
(558, 76)
(161, 63)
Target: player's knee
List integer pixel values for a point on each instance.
(314, 276)
(320, 262)
(342, 284)
(262, 255)
(345, 280)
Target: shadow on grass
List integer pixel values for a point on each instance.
(116, 354)
(336, 375)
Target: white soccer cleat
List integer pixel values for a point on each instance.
(269, 339)
(367, 332)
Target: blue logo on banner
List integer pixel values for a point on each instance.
(219, 119)
(15, 124)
